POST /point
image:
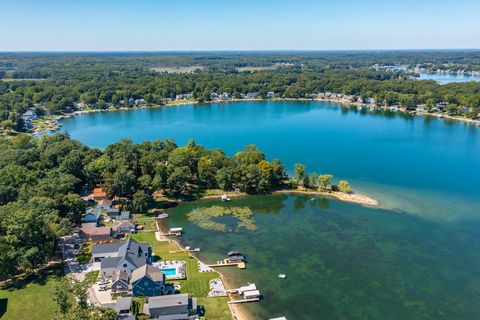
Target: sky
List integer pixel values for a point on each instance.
(198, 25)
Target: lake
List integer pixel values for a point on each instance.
(417, 257)
(448, 78)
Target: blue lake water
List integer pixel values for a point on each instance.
(416, 257)
(448, 78)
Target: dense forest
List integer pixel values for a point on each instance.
(42, 180)
(55, 82)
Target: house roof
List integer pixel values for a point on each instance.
(173, 300)
(121, 275)
(99, 192)
(123, 303)
(111, 262)
(106, 247)
(149, 271)
(126, 224)
(105, 202)
(94, 211)
(97, 231)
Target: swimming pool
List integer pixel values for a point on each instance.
(169, 272)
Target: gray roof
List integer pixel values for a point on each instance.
(126, 224)
(172, 300)
(123, 303)
(95, 211)
(107, 247)
(154, 273)
(112, 262)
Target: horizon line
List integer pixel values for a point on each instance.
(240, 50)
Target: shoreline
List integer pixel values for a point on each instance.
(353, 197)
(343, 102)
(237, 312)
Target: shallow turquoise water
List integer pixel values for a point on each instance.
(417, 257)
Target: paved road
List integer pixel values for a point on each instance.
(67, 245)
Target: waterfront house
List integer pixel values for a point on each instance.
(139, 102)
(270, 94)
(171, 307)
(29, 115)
(213, 96)
(91, 215)
(117, 214)
(120, 282)
(126, 226)
(252, 95)
(147, 281)
(121, 256)
(224, 96)
(96, 234)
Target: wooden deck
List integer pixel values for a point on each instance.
(240, 265)
(243, 300)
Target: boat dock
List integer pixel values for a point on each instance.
(226, 263)
(250, 294)
(243, 300)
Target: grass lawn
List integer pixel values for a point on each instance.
(31, 300)
(197, 283)
(147, 221)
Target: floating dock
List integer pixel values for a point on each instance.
(243, 301)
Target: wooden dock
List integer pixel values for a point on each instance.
(243, 300)
(240, 265)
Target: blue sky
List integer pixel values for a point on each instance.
(165, 25)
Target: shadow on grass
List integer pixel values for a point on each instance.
(3, 306)
(40, 278)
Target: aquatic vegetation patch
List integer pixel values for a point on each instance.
(205, 218)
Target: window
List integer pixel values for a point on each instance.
(124, 265)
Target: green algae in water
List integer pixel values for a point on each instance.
(204, 218)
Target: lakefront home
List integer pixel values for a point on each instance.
(97, 234)
(127, 226)
(117, 214)
(171, 307)
(124, 256)
(147, 281)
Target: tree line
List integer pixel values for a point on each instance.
(42, 180)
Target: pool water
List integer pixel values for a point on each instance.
(169, 272)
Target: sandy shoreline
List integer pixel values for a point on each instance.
(346, 197)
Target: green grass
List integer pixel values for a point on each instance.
(85, 253)
(197, 283)
(147, 221)
(32, 300)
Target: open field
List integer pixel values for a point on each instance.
(189, 69)
(31, 300)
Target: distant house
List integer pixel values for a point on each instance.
(121, 256)
(252, 95)
(147, 281)
(176, 306)
(224, 96)
(97, 234)
(29, 115)
(131, 102)
(126, 226)
(213, 95)
(120, 282)
(99, 194)
(117, 214)
(270, 94)
(139, 102)
(91, 215)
